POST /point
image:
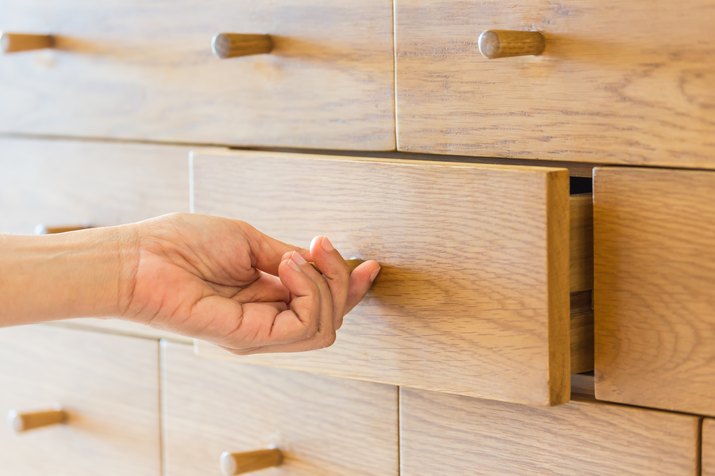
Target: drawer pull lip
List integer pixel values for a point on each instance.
(43, 229)
(249, 461)
(505, 43)
(18, 42)
(25, 421)
(232, 45)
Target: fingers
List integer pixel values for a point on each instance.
(267, 252)
(336, 273)
(361, 280)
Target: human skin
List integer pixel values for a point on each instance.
(212, 278)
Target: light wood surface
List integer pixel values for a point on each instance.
(446, 434)
(581, 333)
(133, 69)
(20, 421)
(18, 42)
(618, 82)
(473, 294)
(109, 387)
(708, 453)
(90, 183)
(323, 426)
(655, 288)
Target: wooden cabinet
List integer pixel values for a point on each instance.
(473, 296)
(708, 450)
(320, 424)
(108, 386)
(654, 290)
(64, 183)
(145, 70)
(618, 82)
(448, 434)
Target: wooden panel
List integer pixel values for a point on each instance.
(448, 434)
(655, 276)
(619, 82)
(84, 183)
(322, 425)
(708, 442)
(473, 294)
(108, 384)
(145, 70)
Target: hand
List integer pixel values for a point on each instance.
(226, 282)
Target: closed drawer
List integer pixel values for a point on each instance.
(473, 296)
(618, 82)
(708, 453)
(446, 434)
(321, 425)
(145, 70)
(108, 386)
(60, 183)
(655, 288)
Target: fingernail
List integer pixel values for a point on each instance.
(327, 245)
(298, 259)
(374, 274)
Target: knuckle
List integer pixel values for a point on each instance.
(328, 339)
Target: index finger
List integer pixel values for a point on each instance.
(266, 251)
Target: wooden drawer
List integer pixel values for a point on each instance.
(322, 425)
(473, 297)
(109, 387)
(655, 288)
(84, 183)
(618, 82)
(145, 70)
(708, 442)
(448, 434)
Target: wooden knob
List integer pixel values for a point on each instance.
(231, 45)
(505, 43)
(26, 421)
(240, 463)
(51, 230)
(16, 42)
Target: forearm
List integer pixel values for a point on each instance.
(77, 274)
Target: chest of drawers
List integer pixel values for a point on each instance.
(518, 254)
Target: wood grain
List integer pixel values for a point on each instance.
(619, 82)
(708, 450)
(473, 294)
(85, 183)
(654, 281)
(321, 425)
(107, 384)
(448, 434)
(131, 69)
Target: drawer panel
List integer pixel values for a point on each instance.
(654, 288)
(708, 453)
(449, 434)
(473, 297)
(59, 183)
(618, 82)
(109, 386)
(322, 425)
(145, 70)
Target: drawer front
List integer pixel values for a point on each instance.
(320, 424)
(59, 183)
(708, 453)
(618, 82)
(145, 70)
(448, 434)
(473, 295)
(654, 288)
(109, 387)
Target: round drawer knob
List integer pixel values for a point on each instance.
(43, 229)
(17, 42)
(240, 463)
(25, 421)
(504, 43)
(231, 45)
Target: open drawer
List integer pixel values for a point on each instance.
(474, 292)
